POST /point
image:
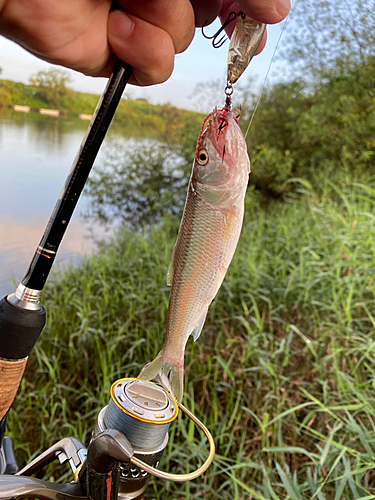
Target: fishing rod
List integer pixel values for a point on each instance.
(22, 317)
(132, 430)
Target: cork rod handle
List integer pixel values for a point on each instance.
(19, 330)
(10, 377)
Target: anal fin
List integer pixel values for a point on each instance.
(198, 327)
(170, 375)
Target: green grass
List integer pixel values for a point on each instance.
(283, 373)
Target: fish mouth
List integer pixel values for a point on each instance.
(217, 132)
(214, 129)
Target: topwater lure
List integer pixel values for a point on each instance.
(207, 238)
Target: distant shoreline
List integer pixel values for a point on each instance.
(19, 108)
(136, 115)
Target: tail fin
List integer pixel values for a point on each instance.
(170, 376)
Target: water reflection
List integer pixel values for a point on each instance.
(49, 133)
(137, 183)
(18, 241)
(36, 153)
(142, 180)
(34, 164)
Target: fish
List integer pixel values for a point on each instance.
(244, 42)
(206, 241)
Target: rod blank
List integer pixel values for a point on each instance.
(45, 254)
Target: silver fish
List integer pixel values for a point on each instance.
(208, 236)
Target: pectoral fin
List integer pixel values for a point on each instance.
(198, 327)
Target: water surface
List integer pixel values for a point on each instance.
(36, 153)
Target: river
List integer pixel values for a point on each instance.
(36, 153)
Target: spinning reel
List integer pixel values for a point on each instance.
(127, 443)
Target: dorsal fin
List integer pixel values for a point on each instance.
(171, 268)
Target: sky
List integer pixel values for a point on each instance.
(199, 63)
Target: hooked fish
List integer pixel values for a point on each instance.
(206, 241)
(244, 42)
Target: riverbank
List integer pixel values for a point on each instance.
(133, 115)
(283, 371)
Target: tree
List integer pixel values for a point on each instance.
(321, 32)
(139, 183)
(52, 86)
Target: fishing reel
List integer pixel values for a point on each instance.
(128, 441)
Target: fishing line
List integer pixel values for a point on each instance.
(268, 71)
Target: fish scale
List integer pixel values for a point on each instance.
(201, 251)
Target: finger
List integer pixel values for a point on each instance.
(176, 17)
(264, 11)
(206, 12)
(146, 47)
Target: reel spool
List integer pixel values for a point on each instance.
(143, 412)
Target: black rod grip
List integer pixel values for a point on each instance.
(19, 329)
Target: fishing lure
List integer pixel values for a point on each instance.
(244, 42)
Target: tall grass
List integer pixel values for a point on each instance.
(283, 373)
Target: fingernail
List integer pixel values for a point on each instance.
(122, 26)
(283, 7)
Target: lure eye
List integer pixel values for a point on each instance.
(202, 157)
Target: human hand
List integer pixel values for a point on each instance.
(85, 35)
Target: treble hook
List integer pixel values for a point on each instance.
(218, 43)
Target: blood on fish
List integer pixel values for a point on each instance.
(206, 120)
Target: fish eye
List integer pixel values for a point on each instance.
(202, 157)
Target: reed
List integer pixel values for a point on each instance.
(283, 373)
